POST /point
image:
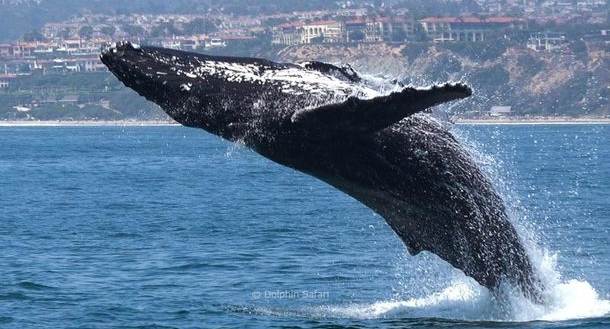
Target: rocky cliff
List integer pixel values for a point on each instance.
(571, 81)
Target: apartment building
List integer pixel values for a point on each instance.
(468, 28)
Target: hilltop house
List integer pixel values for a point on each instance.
(288, 34)
(546, 41)
(324, 31)
(295, 33)
(500, 111)
(351, 29)
(18, 50)
(468, 28)
(397, 28)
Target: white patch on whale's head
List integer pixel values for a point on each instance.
(293, 80)
(186, 86)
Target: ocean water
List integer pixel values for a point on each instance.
(162, 227)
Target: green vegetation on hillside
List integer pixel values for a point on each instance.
(76, 96)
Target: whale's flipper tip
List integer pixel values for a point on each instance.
(457, 90)
(370, 115)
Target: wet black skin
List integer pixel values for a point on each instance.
(412, 172)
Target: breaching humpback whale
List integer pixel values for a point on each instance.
(328, 122)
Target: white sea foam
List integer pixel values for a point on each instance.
(461, 301)
(565, 299)
(466, 301)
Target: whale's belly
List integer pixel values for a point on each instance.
(434, 197)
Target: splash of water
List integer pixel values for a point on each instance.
(464, 299)
(565, 299)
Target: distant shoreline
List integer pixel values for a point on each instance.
(88, 123)
(152, 123)
(534, 121)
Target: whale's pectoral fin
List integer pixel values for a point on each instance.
(370, 115)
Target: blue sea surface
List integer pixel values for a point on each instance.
(170, 227)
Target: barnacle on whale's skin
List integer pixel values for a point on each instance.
(328, 122)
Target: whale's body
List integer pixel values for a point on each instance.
(327, 122)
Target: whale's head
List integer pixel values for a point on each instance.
(155, 73)
(226, 96)
(142, 70)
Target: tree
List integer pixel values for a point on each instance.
(33, 35)
(133, 30)
(318, 39)
(85, 32)
(164, 29)
(421, 36)
(200, 26)
(399, 35)
(108, 30)
(356, 36)
(65, 33)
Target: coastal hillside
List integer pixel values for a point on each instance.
(571, 81)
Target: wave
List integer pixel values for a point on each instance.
(6, 319)
(12, 296)
(463, 300)
(33, 286)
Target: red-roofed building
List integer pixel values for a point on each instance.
(375, 29)
(397, 28)
(295, 33)
(352, 29)
(288, 34)
(324, 31)
(355, 29)
(18, 50)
